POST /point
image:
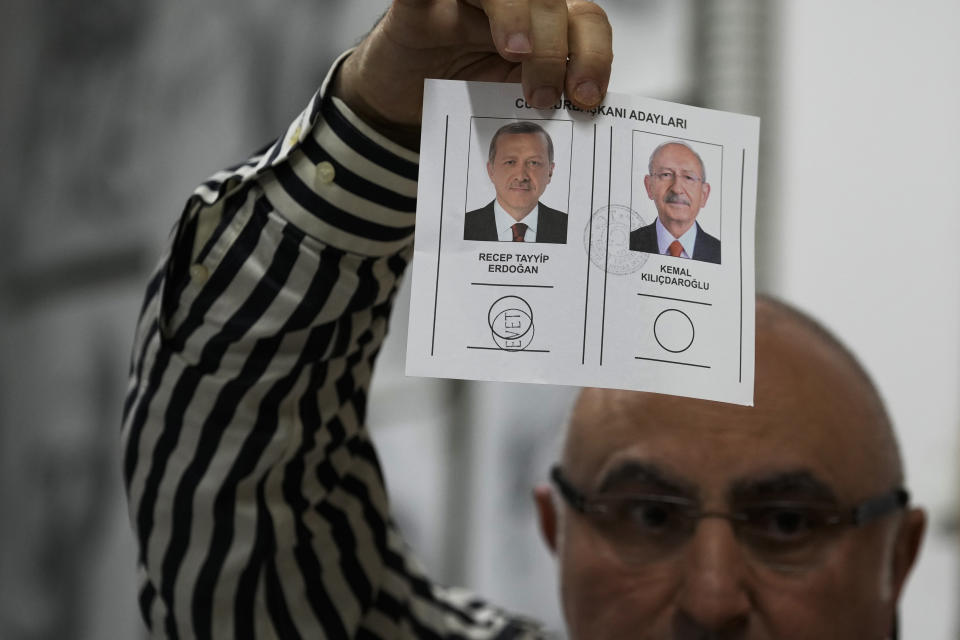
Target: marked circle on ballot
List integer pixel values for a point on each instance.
(511, 322)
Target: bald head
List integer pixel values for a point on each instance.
(818, 439)
(811, 394)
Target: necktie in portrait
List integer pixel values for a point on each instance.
(519, 231)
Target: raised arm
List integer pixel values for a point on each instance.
(254, 489)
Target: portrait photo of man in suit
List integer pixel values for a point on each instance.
(677, 184)
(520, 166)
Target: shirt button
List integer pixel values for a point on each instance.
(199, 273)
(295, 136)
(325, 173)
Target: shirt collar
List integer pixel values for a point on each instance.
(505, 221)
(665, 238)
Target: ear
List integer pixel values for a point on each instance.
(706, 194)
(550, 175)
(647, 182)
(906, 548)
(547, 514)
(490, 170)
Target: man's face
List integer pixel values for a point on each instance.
(520, 171)
(676, 187)
(808, 439)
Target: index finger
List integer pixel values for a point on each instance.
(590, 40)
(562, 45)
(544, 70)
(532, 33)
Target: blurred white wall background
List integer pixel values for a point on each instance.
(869, 100)
(112, 111)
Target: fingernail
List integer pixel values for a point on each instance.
(518, 43)
(587, 93)
(544, 97)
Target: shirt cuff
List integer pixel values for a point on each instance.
(340, 181)
(334, 177)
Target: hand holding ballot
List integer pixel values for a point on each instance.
(549, 46)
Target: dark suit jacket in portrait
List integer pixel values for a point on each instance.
(706, 249)
(480, 224)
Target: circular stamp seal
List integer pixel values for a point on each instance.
(510, 319)
(673, 330)
(607, 239)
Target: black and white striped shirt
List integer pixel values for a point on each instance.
(254, 488)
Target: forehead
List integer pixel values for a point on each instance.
(810, 414)
(676, 155)
(517, 143)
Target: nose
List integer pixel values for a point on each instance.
(714, 601)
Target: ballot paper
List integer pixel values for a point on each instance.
(590, 293)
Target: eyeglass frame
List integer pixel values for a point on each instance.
(860, 514)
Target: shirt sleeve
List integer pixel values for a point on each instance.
(254, 489)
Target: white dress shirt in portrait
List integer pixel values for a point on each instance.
(665, 239)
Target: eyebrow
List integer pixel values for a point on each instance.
(799, 483)
(677, 170)
(636, 471)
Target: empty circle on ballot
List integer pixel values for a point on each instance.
(674, 330)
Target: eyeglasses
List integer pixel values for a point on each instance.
(687, 179)
(784, 535)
